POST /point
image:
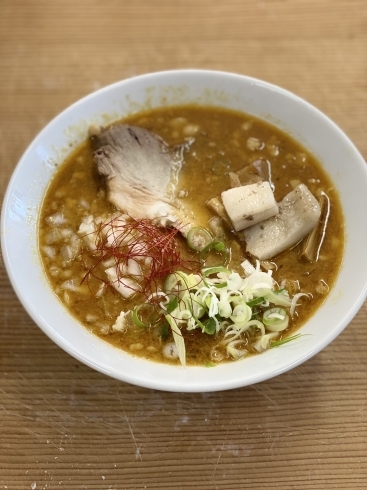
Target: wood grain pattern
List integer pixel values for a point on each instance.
(65, 426)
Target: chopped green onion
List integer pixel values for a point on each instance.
(241, 314)
(256, 301)
(275, 319)
(189, 280)
(218, 248)
(143, 315)
(179, 281)
(170, 282)
(224, 309)
(172, 305)
(277, 343)
(165, 331)
(178, 338)
(234, 352)
(209, 364)
(198, 238)
(278, 298)
(210, 326)
(214, 270)
(249, 311)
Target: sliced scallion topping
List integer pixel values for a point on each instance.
(277, 343)
(249, 311)
(214, 249)
(278, 298)
(165, 331)
(170, 282)
(218, 246)
(178, 338)
(210, 326)
(275, 319)
(172, 305)
(209, 364)
(256, 301)
(198, 238)
(144, 315)
(215, 270)
(179, 281)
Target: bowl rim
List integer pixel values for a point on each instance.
(186, 382)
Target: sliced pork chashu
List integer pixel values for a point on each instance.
(138, 166)
(299, 213)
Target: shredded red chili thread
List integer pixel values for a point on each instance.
(155, 248)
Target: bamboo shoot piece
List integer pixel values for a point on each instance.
(216, 205)
(312, 244)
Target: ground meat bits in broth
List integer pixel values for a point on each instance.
(216, 143)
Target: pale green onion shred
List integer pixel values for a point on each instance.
(178, 338)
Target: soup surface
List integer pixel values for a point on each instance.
(151, 318)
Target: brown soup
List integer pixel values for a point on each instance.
(215, 143)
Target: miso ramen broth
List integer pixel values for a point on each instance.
(199, 299)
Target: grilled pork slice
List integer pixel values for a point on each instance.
(299, 213)
(138, 166)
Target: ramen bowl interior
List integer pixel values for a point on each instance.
(304, 123)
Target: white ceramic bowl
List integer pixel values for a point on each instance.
(313, 129)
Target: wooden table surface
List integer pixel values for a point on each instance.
(65, 426)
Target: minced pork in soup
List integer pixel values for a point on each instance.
(192, 235)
